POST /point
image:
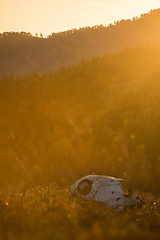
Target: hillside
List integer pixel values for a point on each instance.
(101, 116)
(21, 53)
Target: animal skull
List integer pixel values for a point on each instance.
(105, 190)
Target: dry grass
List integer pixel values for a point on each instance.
(47, 212)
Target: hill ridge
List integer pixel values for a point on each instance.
(21, 53)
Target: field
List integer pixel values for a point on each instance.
(47, 212)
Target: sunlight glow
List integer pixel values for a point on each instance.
(48, 16)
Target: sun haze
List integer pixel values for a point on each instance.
(48, 16)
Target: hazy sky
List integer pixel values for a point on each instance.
(49, 16)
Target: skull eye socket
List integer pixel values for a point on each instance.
(84, 187)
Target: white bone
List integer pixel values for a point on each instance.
(103, 189)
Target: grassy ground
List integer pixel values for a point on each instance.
(47, 212)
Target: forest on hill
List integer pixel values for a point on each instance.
(100, 116)
(21, 53)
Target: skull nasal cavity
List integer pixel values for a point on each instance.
(84, 187)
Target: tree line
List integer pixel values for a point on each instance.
(21, 53)
(100, 116)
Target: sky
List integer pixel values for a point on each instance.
(47, 16)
